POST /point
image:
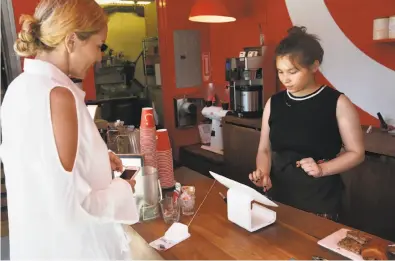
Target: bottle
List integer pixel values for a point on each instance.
(383, 124)
(210, 95)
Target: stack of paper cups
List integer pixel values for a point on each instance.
(148, 137)
(380, 28)
(391, 27)
(165, 159)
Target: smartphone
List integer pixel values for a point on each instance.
(134, 174)
(132, 163)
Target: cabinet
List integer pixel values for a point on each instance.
(187, 57)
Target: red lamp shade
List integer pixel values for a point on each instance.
(210, 11)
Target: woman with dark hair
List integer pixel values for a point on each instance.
(303, 130)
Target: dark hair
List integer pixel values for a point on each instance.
(299, 45)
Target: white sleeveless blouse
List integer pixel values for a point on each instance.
(55, 214)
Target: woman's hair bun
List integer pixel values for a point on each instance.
(302, 46)
(297, 31)
(28, 43)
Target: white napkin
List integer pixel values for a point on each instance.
(175, 234)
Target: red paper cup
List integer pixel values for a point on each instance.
(162, 140)
(165, 168)
(147, 118)
(148, 146)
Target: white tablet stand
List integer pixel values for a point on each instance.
(242, 207)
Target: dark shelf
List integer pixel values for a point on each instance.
(388, 41)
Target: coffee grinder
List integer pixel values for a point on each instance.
(245, 77)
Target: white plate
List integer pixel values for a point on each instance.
(330, 242)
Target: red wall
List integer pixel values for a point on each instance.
(228, 39)
(354, 17)
(173, 15)
(28, 7)
(23, 7)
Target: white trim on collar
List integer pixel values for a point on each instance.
(307, 96)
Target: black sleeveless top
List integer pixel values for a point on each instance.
(302, 127)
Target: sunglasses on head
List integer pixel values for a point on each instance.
(104, 47)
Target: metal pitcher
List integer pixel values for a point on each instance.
(148, 193)
(124, 140)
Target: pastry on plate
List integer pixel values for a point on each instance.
(375, 250)
(362, 244)
(350, 245)
(358, 236)
(354, 241)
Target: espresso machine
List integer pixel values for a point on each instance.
(245, 77)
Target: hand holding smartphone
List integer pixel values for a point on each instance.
(131, 163)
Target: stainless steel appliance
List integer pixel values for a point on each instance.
(245, 76)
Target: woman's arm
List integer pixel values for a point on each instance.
(352, 137)
(115, 203)
(261, 176)
(263, 157)
(65, 125)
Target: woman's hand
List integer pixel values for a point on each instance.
(261, 179)
(116, 163)
(310, 167)
(132, 183)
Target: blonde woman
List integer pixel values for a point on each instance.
(63, 203)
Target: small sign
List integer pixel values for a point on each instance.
(206, 70)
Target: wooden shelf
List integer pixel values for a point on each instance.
(379, 142)
(392, 41)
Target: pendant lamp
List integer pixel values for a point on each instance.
(210, 11)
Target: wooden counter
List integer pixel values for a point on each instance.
(377, 141)
(368, 188)
(254, 123)
(213, 236)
